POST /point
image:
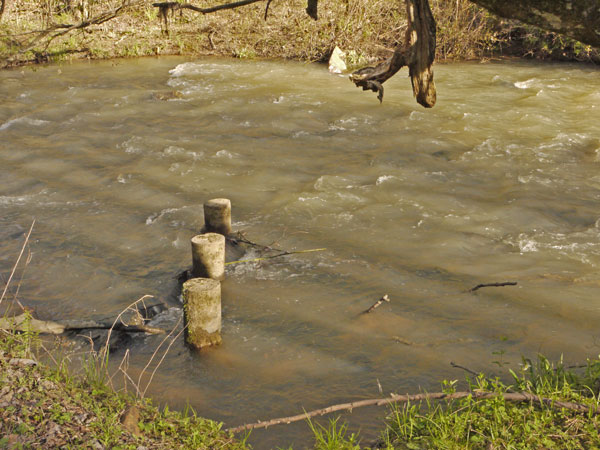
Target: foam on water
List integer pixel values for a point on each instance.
(23, 121)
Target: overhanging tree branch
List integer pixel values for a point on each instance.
(417, 52)
(165, 7)
(173, 6)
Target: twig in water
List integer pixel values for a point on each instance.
(275, 256)
(475, 374)
(161, 360)
(378, 303)
(241, 237)
(16, 294)
(12, 273)
(466, 369)
(401, 340)
(104, 351)
(506, 283)
(123, 367)
(394, 398)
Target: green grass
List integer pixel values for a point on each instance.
(49, 407)
(495, 423)
(85, 410)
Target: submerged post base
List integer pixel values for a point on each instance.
(202, 312)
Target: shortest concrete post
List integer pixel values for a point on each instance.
(202, 312)
(217, 216)
(208, 256)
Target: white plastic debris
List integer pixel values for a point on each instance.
(337, 61)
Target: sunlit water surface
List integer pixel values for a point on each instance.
(499, 182)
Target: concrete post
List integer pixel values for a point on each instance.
(202, 312)
(217, 216)
(208, 256)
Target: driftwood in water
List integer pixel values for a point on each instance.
(484, 285)
(417, 52)
(377, 304)
(24, 322)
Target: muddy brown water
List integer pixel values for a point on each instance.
(499, 182)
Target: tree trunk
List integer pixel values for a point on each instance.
(2, 5)
(577, 19)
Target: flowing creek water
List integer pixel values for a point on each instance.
(499, 182)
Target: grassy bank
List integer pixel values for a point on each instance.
(367, 30)
(46, 406)
(563, 413)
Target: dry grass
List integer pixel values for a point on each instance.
(367, 30)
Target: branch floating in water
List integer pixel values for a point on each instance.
(275, 256)
(377, 304)
(506, 283)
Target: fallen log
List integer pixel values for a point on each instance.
(25, 322)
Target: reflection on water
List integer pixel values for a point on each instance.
(499, 182)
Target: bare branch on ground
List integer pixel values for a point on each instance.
(508, 396)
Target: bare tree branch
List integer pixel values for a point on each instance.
(58, 30)
(174, 6)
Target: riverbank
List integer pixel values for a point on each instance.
(35, 31)
(49, 407)
(545, 406)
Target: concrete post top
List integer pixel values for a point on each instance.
(208, 238)
(219, 202)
